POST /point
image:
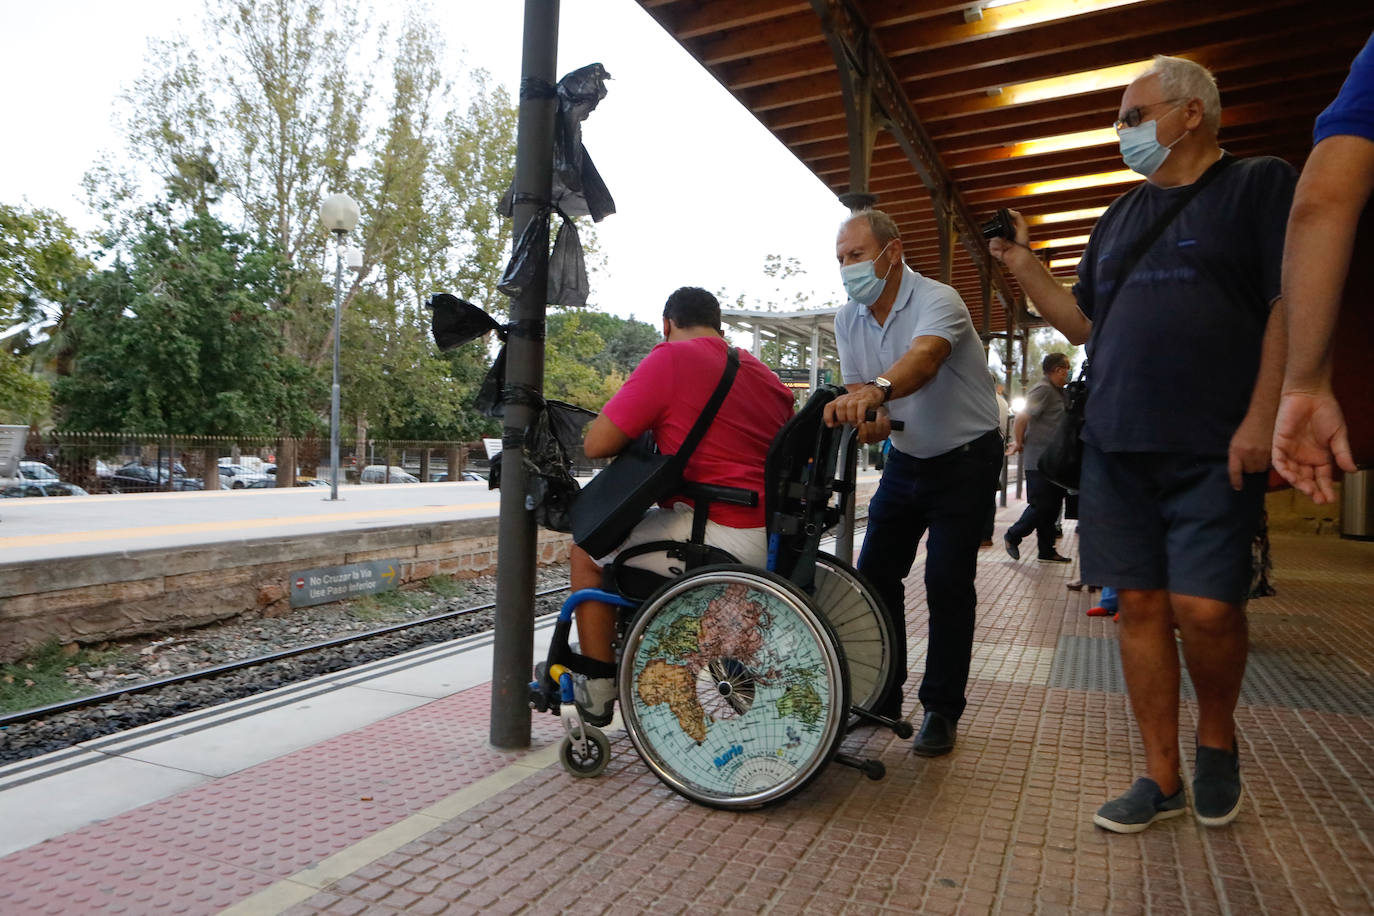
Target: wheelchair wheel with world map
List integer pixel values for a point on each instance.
(733, 687)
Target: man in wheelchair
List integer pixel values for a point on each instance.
(664, 396)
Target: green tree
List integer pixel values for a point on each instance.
(40, 262)
(572, 365)
(182, 339)
(273, 106)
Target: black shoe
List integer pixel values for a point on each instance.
(1053, 557)
(935, 738)
(1013, 547)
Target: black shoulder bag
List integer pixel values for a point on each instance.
(609, 506)
(1062, 460)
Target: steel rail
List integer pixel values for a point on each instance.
(96, 699)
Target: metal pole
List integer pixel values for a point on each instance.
(513, 648)
(334, 389)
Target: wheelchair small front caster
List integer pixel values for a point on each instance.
(904, 730)
(586, 755)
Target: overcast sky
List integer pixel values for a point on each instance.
(703, 192)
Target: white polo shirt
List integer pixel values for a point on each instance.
(956, 406)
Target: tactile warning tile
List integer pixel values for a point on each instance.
(106, 872)
(1273, 677)
(213, 845)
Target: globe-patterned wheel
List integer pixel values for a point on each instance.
(733, 687)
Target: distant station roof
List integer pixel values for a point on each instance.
(790, 327)
(946, 111)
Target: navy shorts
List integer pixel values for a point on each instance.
(1154, 520)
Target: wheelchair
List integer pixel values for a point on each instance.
(736, 684)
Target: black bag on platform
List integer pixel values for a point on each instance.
(1062, 460)
(614, 501)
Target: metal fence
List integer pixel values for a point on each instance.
(120, 462)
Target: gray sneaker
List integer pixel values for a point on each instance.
(1216, 786)
(595, 698)
(1142, 805)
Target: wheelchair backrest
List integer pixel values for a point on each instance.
(799, 486)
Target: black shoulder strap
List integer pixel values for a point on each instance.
(1147, 240)
(708, 413)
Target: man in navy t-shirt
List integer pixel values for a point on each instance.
(1185, 364)
(1335, 187)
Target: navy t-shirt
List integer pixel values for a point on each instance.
(1174, 363)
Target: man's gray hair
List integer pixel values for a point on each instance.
(1184, 79)
(884, 227)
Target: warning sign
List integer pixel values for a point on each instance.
(336, 583)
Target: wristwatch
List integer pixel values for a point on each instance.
(885, 386)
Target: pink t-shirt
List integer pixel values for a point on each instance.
(667, 392)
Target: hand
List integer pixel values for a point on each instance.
(1309, 432)
(1000, 248)
(1014, 447)
(851, 408)
(875, 430)
(1249, 452)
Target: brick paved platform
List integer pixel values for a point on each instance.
(416, 814)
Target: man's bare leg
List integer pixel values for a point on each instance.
(1215, 647)
(595, 619)
(1149, 660)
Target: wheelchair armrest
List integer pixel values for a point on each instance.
(709, 492)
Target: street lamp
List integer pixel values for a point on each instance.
(339, 214)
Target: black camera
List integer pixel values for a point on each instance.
(1000, 226)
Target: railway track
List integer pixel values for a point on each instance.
(45, 729)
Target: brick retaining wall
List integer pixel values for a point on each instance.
(133, 593)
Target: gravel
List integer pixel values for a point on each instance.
(131, 662)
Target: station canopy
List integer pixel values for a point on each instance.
(946, 111)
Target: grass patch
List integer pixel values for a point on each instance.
(446, 586)
(367, 608)
(40, 678)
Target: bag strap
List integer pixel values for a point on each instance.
(1152, 235)
(708, 413)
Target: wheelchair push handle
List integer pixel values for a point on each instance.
(897, 425)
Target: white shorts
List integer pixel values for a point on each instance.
(748, 545)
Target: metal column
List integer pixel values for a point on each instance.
(514, 631)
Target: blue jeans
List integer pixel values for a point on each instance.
(946, 496)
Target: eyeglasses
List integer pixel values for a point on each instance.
(1132, 117)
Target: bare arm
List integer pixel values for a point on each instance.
(604, 438)
(1252, 440)
(908, 374)
(1331, 194)
(1018, 433)
(1310, 431)
(1051, 299)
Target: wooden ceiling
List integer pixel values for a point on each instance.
(946, 91)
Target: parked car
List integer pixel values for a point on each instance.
(242, 478)
(377, 473)
(466, 475)
(37, 470)
(42, 488)
(141, 478)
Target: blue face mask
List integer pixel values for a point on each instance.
(1141, 150)
(861, 283)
